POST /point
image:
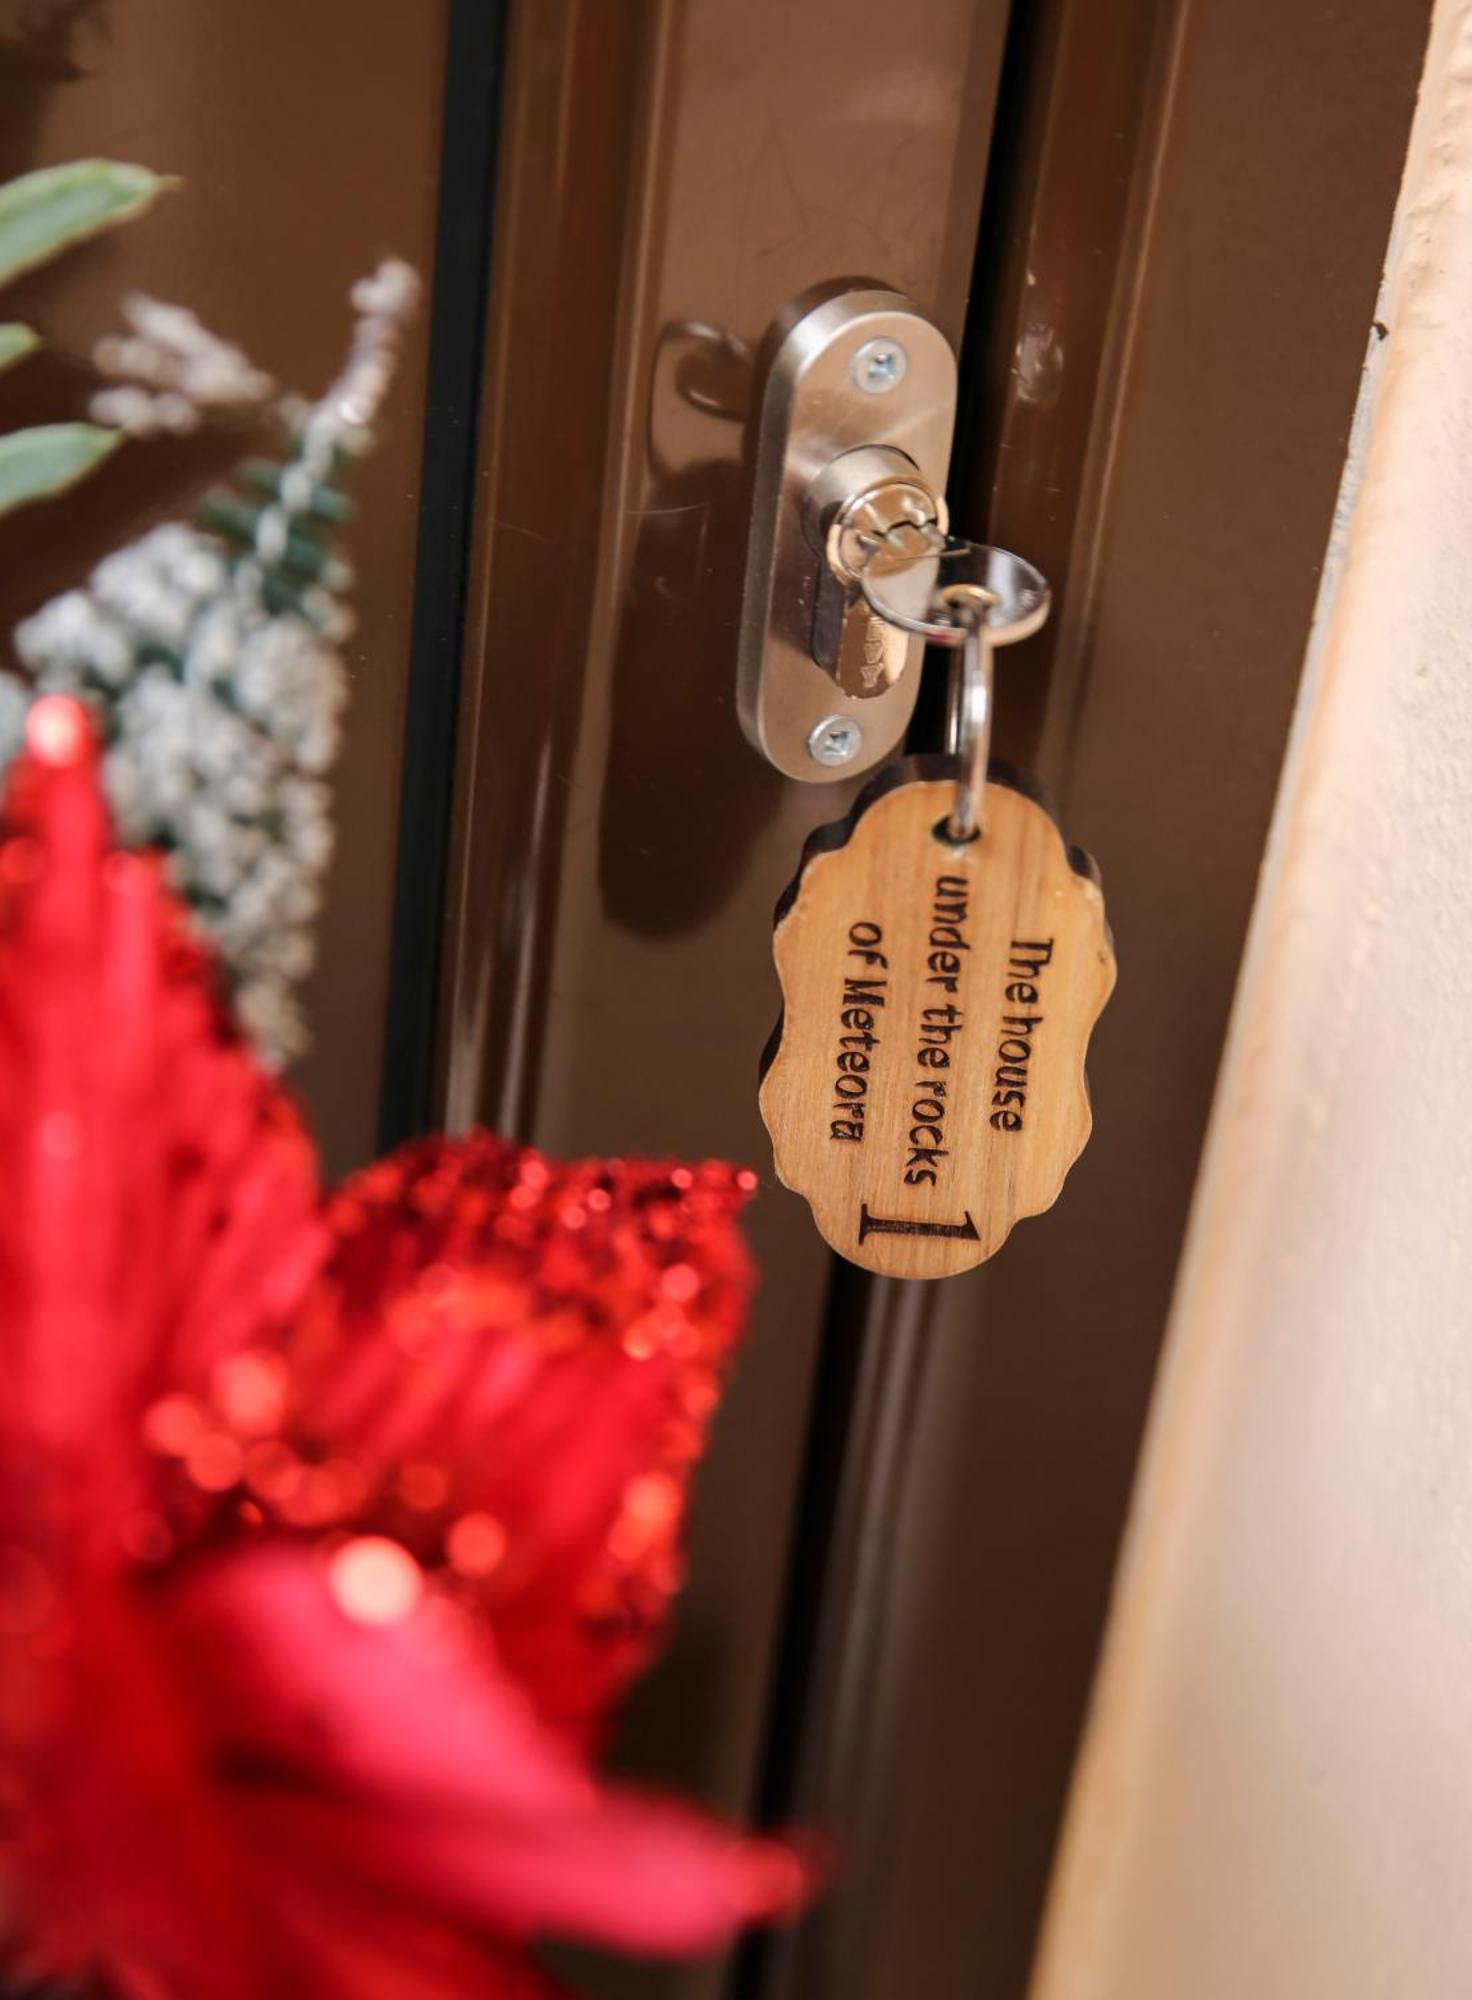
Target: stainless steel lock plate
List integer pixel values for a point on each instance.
(856, 419)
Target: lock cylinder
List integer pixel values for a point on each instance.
(865, 498)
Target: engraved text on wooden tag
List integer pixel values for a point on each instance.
(926, 1086)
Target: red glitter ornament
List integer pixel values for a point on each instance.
(329, 1530)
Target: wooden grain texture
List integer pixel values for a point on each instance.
(927, 1085)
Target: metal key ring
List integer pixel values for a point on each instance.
(969, 722)
(920, 592)
(973, 598)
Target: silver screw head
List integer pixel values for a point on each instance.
(836, 741)
(880, 365)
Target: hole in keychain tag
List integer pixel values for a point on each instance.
(943, 957)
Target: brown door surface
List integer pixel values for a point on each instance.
(1153, 231)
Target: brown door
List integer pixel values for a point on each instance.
(1153, 232)
(1155, 235)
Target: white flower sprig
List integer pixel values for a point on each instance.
(210, 655)
(171, 372)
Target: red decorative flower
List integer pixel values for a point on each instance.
(329, 1531)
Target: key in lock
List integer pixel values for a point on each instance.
(868, 505)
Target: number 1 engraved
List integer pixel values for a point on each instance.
(884, 1225)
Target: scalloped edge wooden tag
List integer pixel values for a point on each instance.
(925, 1087)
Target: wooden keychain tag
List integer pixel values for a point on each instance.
(925, 1087)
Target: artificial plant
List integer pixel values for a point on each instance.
(209, 650)
(331, 1527)
(42, 214)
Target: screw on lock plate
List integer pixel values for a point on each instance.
(836, 742)
(880, 365)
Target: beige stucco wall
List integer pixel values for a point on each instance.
(1275, 1796)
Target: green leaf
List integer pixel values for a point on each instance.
(49, 458)
(16, 341)
(45, 212)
